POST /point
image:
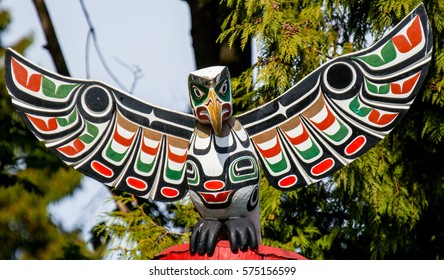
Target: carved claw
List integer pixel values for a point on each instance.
(241, 234)
(204, 237)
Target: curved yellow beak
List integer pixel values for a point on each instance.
(214, 108)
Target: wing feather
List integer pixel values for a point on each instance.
(341, 109)
(102, 132)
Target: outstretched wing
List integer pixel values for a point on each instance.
(341, 109)
(104, 133)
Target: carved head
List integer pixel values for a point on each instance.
(210, 96)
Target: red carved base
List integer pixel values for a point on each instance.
(223, 252)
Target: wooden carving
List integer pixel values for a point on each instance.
(321, 124)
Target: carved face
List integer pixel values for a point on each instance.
(210, 96)
(222, 172)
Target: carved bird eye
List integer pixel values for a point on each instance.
(198, 93)
(224, 88)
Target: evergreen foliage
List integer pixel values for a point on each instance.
(146, 228)
(386, 204)
(30, 179)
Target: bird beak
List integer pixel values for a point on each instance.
(215, 111)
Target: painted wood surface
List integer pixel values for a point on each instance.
(324, 122)
(223, 252)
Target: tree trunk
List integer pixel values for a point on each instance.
(206, 19)
(52, 43)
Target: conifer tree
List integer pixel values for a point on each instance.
(386, 204)
(30, 179)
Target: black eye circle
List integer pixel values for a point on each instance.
(197, 93)
(340, 77)
(224, 88)
(96, 99)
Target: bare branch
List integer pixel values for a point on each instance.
(134, 69)
(92, 35)
(52, 44)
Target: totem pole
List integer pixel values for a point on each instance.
(321, 124)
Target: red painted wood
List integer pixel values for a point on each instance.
(288, 181)
(406, 86)
(223, 252)
(322, 167)
(414, 37)
(48, 125)
(169, 192)
(32, 82)
(355, 145)
(101, 169)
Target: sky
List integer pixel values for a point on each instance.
(152, 34)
